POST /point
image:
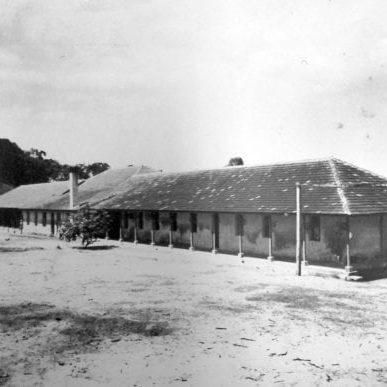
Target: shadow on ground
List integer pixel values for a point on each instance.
(95, 248)
(61, 331)
(337, 308)
(18, 249)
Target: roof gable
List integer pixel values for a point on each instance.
(32, 196)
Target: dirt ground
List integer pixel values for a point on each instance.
(125, 315)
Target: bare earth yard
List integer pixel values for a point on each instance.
(137, 316)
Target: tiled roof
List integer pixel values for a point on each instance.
(102, 186)
(364, 191)
(329, 186)
(55, 196)
(32, 196)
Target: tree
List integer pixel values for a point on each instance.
(28, 167)
(85, 171)
(96, 168)
(235, 161)
(36, 153)
(87, 225)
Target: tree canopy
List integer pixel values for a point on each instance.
(235, 161)
(27, 167)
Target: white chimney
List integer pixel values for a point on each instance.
(73, 181)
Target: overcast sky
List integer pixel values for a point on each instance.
(182, 85)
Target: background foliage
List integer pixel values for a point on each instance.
(27, 167)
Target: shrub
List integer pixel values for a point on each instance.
(87, 225)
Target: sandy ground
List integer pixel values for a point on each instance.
(136, 316)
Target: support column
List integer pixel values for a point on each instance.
(121, 226)
(152, 237)
(135, 241)
(215, 231)
(270, 257)
(214, 249)
(348, 267)
(191, 247)
(299, 229)
(52, 224)
(107, 235)
(170, 240)
(240, 254)
(304, 261)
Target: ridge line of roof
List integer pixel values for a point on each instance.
(361, 168)
(340, 191)
(236, 167)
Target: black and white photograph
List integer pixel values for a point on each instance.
(193, 193)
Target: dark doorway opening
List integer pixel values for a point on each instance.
(215, 230)
(115, 225)
(52, 223)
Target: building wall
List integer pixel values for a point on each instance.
(365, 242)
(144, 234)
(40, 228)
(181, 237)
(203, 236)
(284, 236)
(128, 232)
(162, 235)
(367, 245)
(253, 242)
(332, 245)
(228, 241)
(329, 249)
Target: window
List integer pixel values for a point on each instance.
(173, 220)
(126, 220)
(28, 217)
(36, 218)
(267, 226)
(155, 221)
(194, 222)
(140, 220)
(239, 222)
(58, 218)
(315, 228)
(44, 218)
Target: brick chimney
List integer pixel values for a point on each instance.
(73, 182)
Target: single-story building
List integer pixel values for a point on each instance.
(245, 210)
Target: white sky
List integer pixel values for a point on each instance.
(182, 85)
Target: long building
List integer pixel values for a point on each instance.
(238, 210)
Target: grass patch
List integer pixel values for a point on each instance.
(298, 298)
(249, 288)
(18, 249)
(55, 333)
(77, 330)
(227, 308)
